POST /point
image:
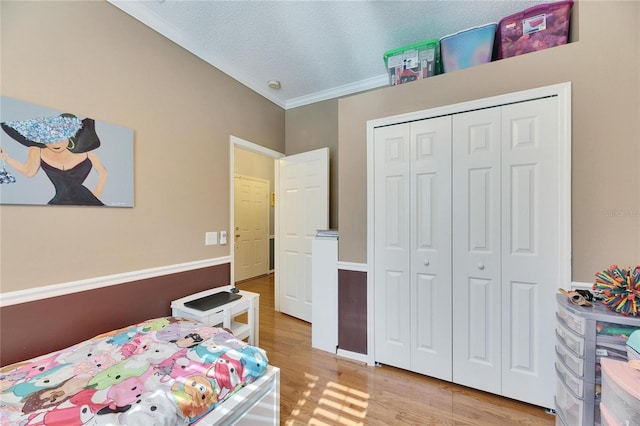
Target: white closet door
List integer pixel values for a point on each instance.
(476, 250)
(431, 247)
(529, 249)
(392, 245)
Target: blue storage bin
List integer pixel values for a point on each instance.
(464, 49)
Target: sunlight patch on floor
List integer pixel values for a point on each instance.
(337, 405)
(340, 405)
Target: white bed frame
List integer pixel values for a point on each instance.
(257, 404)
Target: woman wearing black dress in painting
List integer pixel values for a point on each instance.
(60, 146)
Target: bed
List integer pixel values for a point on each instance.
(163, 371)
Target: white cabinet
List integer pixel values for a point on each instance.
(225, 315)
(324, 293)
(466, 254)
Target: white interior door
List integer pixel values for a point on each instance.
(506, 203)
(412, 164)
(392, 245)
(251, 198)
(476, 250)
(530, 253)
(302, 206)
(430, 237)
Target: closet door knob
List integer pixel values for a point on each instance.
(426, 263)
(481, 266)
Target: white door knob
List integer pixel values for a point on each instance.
(481, 266)
(426, 263)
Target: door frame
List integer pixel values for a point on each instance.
(236, 142)
(563, 93)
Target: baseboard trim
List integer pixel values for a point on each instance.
(355, 356)
(55, 290)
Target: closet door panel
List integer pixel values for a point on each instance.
(392, 246)
(476, 250)
(431, 247)
(530, 251)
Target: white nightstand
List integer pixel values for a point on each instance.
(224, 315)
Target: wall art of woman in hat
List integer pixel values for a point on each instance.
(61, 146)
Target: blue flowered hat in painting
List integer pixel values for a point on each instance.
(47, 129)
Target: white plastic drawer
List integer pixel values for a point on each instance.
(570, 338)
(571, 406)
(559, 419)
(576, 384)
(572, 361)
(621, 391)
(574, 322)
(607, 418)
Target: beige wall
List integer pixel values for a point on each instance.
(604, 69)
(92, 59)
(311, 127)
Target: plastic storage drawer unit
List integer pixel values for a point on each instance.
(573, 361)
(574, 383)
(607, 418)
(570, 339)
(467, 48)
(413, 62)
(536, 28)
(621, 391)
(574, 322)
(571, 406)
(586, 337)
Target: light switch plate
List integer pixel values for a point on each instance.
(210, 238)
(223, 237)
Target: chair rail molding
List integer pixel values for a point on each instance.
(54, 290)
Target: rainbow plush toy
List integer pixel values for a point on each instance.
(620, 288)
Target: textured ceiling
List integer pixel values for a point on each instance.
(317, 49)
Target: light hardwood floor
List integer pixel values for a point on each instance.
(319, 388)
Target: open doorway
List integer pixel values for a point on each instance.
(302, 207)
(252, 213)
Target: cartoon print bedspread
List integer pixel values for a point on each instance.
(165, 371)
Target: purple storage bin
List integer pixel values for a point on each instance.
(464, 49)
(536, 28)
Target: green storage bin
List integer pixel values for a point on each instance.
(413, 62)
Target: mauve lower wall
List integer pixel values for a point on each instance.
(39, 327)
(352, 311)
